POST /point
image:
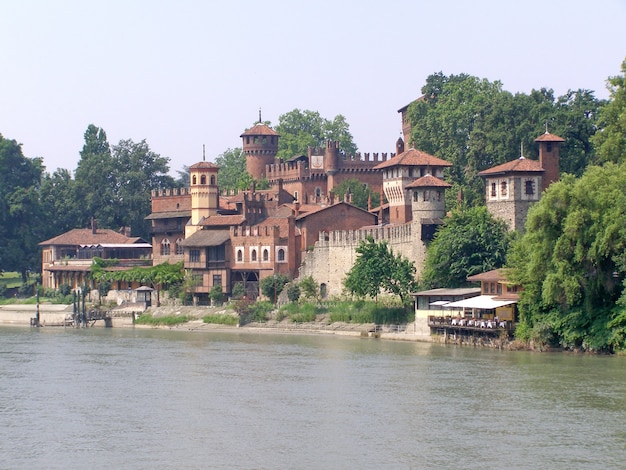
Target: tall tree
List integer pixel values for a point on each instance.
(233, 174)
(300, 130)
(470, 242)
(57, 199)
(20, 214)
(475, 125)
(611, 142)
(138, 171)
(571, 262)
(95, 180)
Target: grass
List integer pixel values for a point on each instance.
(170, 320)
(221, 319)
(10, 280)
(300, 313)
(367, 312)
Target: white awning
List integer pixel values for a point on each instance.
(485, 302)
(439, 302)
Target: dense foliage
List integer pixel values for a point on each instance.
(362, 194)
(572, 264)
(300, 130)
(377, 269)
(474, 124)
(233, 174)
(471, 241)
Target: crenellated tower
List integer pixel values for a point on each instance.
(260, 145)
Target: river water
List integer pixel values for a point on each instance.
(151, 399)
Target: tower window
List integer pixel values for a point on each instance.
(549, 147)
(493, 189)
(416, 196)
(239, 256)
(193, 180)
(281, 255)
(165, 247)
(253, 255)
(203, 179)
(529, 187)
(213, 179)
(503, 188)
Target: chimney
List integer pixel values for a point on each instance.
(94, 226)
(296, 208)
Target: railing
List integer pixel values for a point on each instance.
(471, 324)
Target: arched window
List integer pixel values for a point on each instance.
(253, 255)
(179, 247)
(165, 247)
(239, 256)
(212, 179)
(193, 180)
(281, 255)
(323, 290)
(266, 255)
(203, 179)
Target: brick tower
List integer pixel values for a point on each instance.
(260, 145)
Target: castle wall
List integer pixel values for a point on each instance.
(334, 253)
(168, 200)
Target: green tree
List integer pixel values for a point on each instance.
(471, 241)
(361, 193)
(378, 270)
(138, 171)
(475, 124)
(233, 174)
(58, 205)
(300, 130)
(21, 226)
(272, 286)
(611, 142)
(571, 262)
(216, 295)
(309, 288)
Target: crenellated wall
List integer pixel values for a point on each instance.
(334, 253)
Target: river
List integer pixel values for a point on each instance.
(159, 399)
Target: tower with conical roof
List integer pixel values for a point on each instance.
(260, 146)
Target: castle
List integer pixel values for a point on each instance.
(298, 227)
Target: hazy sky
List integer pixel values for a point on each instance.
(183, 73)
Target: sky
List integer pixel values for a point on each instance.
(183, 74)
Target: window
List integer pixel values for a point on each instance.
(281, 255)
(266, 255)
(193, 179)
(426, 195)
(416, 196)
(213, 179)
(240, 256)
(165, 247)
(253, 255)
(323, 290)
(529, 187)
(217, 279)
(203, 179)
(499, 289)
(549, 147)
(493, 189)
(295, 195)
(318, 192)
(503, 188)
(179, 247)
(194, 256)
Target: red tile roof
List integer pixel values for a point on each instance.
(412, 157)
(260, 129)
(547, 137)
(428, 181)
(85, 236)
(521, 165)
(204, 165)
(222, 220)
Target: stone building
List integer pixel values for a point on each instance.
(513, 187)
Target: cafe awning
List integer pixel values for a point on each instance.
(483, 302)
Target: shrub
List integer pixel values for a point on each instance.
(216, 295)
(64, 289)
(220, 319)
(239, 291)
(272, 286)
(148, 319)
(293, 293)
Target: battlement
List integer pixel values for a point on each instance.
(169, 192)
(286, 171)
(350, 238)
(255, 231)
